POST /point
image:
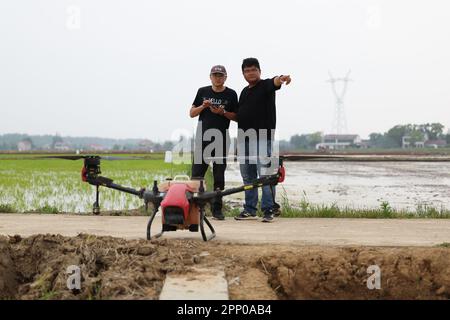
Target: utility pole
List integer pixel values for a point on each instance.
(339, 125)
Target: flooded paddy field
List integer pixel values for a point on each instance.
(49, 185)
(403, 185)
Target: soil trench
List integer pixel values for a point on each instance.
(113, 268)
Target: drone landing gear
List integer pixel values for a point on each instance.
(203, 220)
(202, 227)
(150, 221)
(96, 208)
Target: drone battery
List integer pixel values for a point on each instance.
(173, 215)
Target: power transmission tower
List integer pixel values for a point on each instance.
(339, 120)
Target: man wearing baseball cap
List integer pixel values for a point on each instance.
(215, 105)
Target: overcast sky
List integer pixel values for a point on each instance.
(131, 69)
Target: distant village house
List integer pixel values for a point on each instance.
(25, 145)
(339, 141)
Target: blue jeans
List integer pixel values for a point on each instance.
(250, 172)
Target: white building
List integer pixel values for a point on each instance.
(24, 145)
(406, 142)
(339, 141)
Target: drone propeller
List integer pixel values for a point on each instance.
(306, 157)
(292, 157)
(78, 157)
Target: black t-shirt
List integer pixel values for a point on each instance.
(257, 106)
(227, 98)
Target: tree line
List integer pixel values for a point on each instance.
(10, 141)
(393, 138)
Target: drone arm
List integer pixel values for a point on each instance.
(258, 183)
(108, 183)
(264, 181)
(118, 187)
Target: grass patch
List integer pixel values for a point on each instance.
(229, 211)
(444, 245)
(95, 292)
(7, 208)
(304, 209)
(48, 209)
(49, 295)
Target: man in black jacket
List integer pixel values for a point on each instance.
(256, 123)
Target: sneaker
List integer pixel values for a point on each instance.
(268, 216)
(276, 210)
(218, 216)
(246, 216)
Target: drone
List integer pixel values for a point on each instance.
(182, 199)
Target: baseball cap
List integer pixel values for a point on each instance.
(218, 69)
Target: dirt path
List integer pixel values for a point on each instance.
(330, 232)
